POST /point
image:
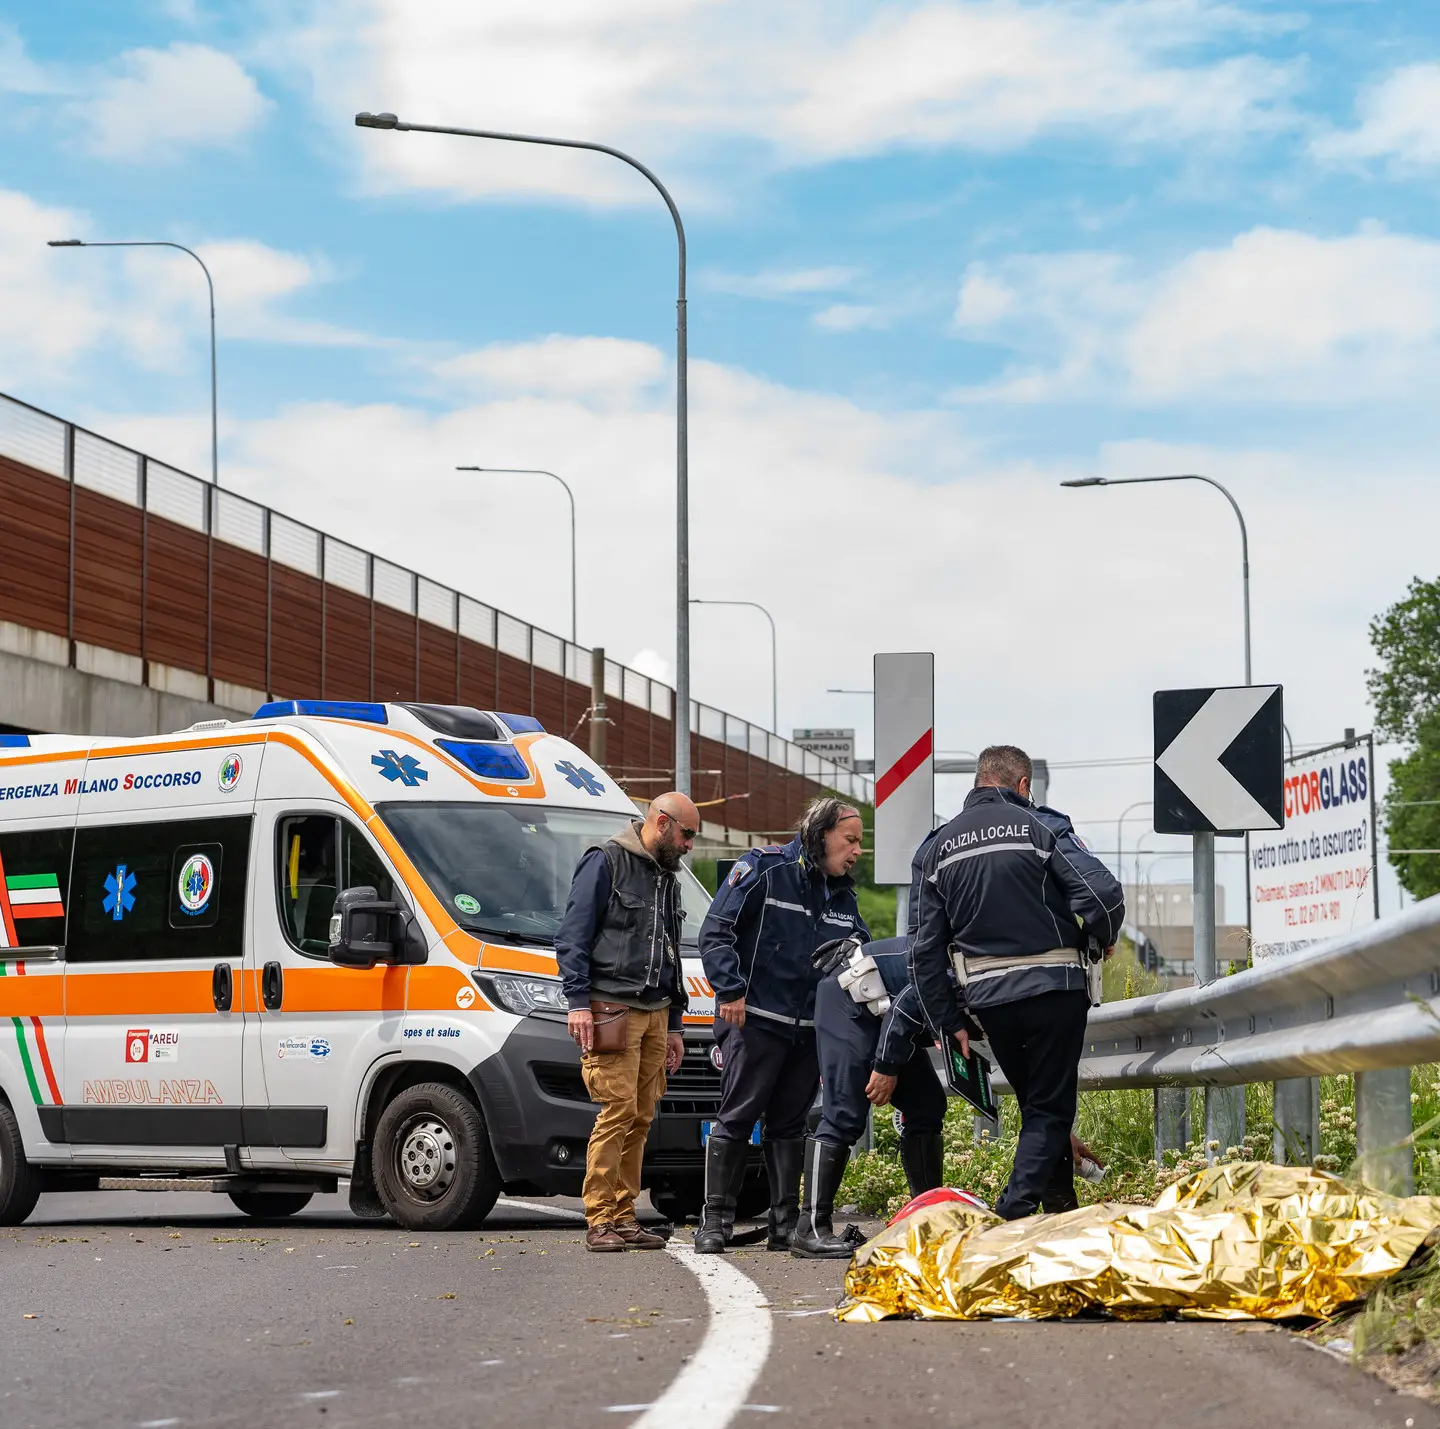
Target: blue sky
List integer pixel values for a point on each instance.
(942, 256)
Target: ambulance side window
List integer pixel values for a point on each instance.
(34, 887)
(162, 890)
(307, 865)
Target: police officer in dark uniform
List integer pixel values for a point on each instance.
(1013, 897)
(872, 1038)
(776, 908)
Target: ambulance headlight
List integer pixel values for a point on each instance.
(524, 995)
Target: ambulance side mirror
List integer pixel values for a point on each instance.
(364, 930)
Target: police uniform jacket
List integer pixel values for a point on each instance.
(1006, 879)
(769, 916)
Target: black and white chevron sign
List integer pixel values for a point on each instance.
(1219, 760)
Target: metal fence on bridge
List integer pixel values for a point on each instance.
(149, 574)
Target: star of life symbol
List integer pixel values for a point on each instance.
(404, 767)
(580, 778)
(119, 892)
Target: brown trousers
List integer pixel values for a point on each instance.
(627, 1085)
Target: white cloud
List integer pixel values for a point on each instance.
(19, 74)
(610, 370)
(851, 317)
(60, 307)
(691, 82)
(158, 104)
(1400, 121)
(1275, 315)
(781, 282)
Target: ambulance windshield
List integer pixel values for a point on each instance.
(504, 871)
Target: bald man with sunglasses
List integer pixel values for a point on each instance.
(619, 953)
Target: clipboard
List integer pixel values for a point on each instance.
(969, 1077)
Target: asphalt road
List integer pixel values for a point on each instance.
(158, 1310)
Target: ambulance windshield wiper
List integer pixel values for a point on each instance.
(509, 935)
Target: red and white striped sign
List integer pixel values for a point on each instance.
(904, 761)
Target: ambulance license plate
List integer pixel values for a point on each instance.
(705, 1133)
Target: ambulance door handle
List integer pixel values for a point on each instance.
(272, 986)
(222, 987)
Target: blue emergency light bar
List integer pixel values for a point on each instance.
(489, 761)
(521, 724)
(14, 741)
(324, 709)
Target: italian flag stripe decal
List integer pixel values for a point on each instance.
(34, 895)
(25, 1052)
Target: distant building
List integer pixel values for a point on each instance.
(1165, 914)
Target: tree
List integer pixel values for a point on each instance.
(1412, 811)
(1405, 690)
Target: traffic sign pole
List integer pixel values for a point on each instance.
(1203, 889)
(1219, 766)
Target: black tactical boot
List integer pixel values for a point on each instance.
(724, 1173)
(815, 1237)
(782, 1165)
(923, 1157)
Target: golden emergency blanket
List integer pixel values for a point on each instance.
(1237, 1241)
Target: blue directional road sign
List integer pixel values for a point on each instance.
(1219, 760)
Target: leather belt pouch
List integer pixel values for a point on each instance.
(612, 1026)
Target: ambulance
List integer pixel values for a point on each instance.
(313, 946)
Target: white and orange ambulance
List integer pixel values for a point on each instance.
(312, 946)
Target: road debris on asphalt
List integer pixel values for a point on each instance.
(1239, 1240)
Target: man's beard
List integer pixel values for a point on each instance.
(668, 856)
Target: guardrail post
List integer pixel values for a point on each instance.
(1172, 1120)
(1382, 1122)
(1297, 1121)
(987, 1125)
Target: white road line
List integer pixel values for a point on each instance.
(712, 1388)
(563, 1211)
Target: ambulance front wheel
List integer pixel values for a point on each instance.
(19, 1180)
(433, 1165)
(271, 1205)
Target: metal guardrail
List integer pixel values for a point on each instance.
(1360, 1003)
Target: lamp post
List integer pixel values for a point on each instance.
(774, 660)
(1224, 1107)
(682, 491)
(209, 283)
(540, 471)
(1234, 506)
(1119, 840)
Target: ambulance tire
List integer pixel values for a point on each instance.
(271, 1205)
(440, 1132)
(20, 1182)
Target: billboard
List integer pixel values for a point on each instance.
(1316, 878)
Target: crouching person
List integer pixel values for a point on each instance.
(873, 1041)
(619, 953)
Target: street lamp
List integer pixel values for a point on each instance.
(1234, 505)
(540, 471)
(774, 661)
(1119, 840)
(682, 489)
(209, 283)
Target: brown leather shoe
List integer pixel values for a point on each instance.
(604, 1238)
(637, 1237)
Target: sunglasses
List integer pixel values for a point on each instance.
(684, 832)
